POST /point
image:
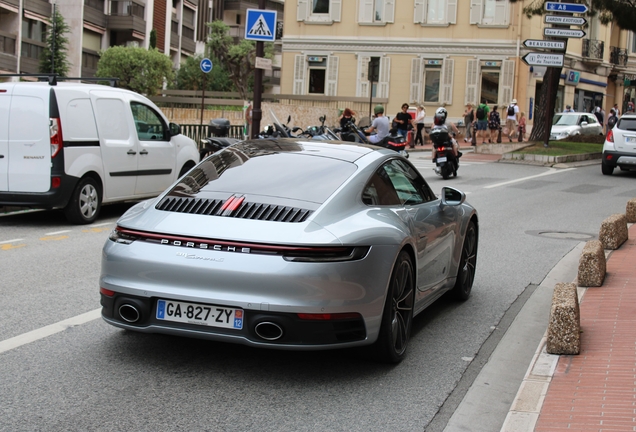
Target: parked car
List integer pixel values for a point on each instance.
(75, 146)
(619, 149)
(565, 125)
(291, 244)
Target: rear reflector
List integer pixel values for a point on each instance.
(106, 292)
(55, 182)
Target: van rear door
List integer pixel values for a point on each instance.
(29, 140)
(5, 101)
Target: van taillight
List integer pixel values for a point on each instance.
(55, 128)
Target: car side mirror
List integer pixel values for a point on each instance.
(175, 129)
(584, 123)
(452, 197)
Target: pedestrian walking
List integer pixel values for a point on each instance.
(402, 120)
(512, 118)
(494, 124)
(521, 129)
(482, 121)
(616, 110)
(418, 122)
(469, 119)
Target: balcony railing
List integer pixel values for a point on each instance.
(618, 56)
(97, 4)
(593, 49)
(126, 8)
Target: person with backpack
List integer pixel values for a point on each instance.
(494, 124)
(482, 121)
(611, 120)
(512, 118)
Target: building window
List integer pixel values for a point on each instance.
(7, 45)
(34, 30)
(126, 8)
(432, 80)
(97, 4)
(432, 84)
(491, 81)
(321, 72)
(317, 80)
(376, 11)
(489, 86)
(319, 11)
(490, 12)
(188, 17)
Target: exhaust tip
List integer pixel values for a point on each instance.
(268, 331)
(129, 313)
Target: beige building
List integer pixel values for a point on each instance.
(436, 53)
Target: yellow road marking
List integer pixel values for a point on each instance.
(54, 238)
(10, 246)
(96, 230)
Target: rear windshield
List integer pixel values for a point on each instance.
(627, 124)
(288, 174)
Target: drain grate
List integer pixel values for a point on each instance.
(562, 235)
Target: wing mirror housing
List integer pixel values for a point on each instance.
(452, 197)
(175, 129)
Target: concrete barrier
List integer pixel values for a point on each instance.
(630, 212)
(592, 265)
(613, 231)
(564, 327)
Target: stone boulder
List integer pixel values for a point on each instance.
(613, 231)
(592, 265)
(630, 213)
(564, 328)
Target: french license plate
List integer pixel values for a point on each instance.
(202, 314)
(441, 159)
(553, 137)
(630, 140)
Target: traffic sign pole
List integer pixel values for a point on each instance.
(257, 112)
(206, 67)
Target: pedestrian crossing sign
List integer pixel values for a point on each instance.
(260, 25)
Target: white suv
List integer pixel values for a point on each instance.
(619, 149)
(75, 146)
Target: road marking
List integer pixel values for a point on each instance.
(54, 238)
(101, 224)
(57, 232)
(97, 230)
(10, 246)
(11, 241)
(41, 333)
(550, 172)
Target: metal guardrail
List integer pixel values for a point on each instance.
(198, 132)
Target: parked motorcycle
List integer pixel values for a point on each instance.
(351, 132)
(219, 129)
(322, 132)
(280, 130)
(446, 164)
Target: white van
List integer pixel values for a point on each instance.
(75, 146)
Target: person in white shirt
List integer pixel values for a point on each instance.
(418, 122)
(511, 119)
(380, 124)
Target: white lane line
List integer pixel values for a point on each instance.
(101, 224)
(550, 172)
(57, 232)
(11, 241)
(49, 330)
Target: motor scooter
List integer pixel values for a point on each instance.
(351, 132)
(218, 140)
(446, 164)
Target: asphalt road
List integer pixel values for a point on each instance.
(91, 376)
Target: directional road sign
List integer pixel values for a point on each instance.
(563, 33)
(543, 59)
(546, 44)
(565, 7)
(260, 25)
(206, 65)
(564, 19)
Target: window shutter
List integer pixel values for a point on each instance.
(389, 11)
(451, 11)
(472, 82)
(502, 13)
(419, 13)
(506, 81)
(299, 75)
(301, 12)
(476, 11)
(416, 80)
(363, 79)
(366, 11)
(385, 76)
(335, 10)
(447, 81)
(332, 76)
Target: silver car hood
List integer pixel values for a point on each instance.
(559, 129)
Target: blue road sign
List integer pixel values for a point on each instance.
(260, 25)
(565, 7)
(206, 65)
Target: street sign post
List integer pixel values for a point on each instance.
(260, 25)
(543, 59)
(565, 20)
(545, 44)
(563, 33)
(206, 67)
(565, 7)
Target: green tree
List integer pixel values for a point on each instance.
(622, 12)
(138, 69)
(53, 58)
(237, 58)
(153, 39)
(190, 77)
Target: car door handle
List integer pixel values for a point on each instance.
(1, 156)
(130, 152)
(143, 152)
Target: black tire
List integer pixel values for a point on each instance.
(467, 263)
(445, 172)
(187, 167)
(606, 169)
(85, 203)
(397, 317)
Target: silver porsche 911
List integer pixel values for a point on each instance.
(291, 244)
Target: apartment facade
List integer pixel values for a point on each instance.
(444, 53)
(96, 25)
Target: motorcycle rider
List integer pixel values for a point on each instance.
(440, 121)
(380, 124)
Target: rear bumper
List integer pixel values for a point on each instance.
(618, 159)
(53, 198)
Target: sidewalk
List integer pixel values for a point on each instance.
(595, 390)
